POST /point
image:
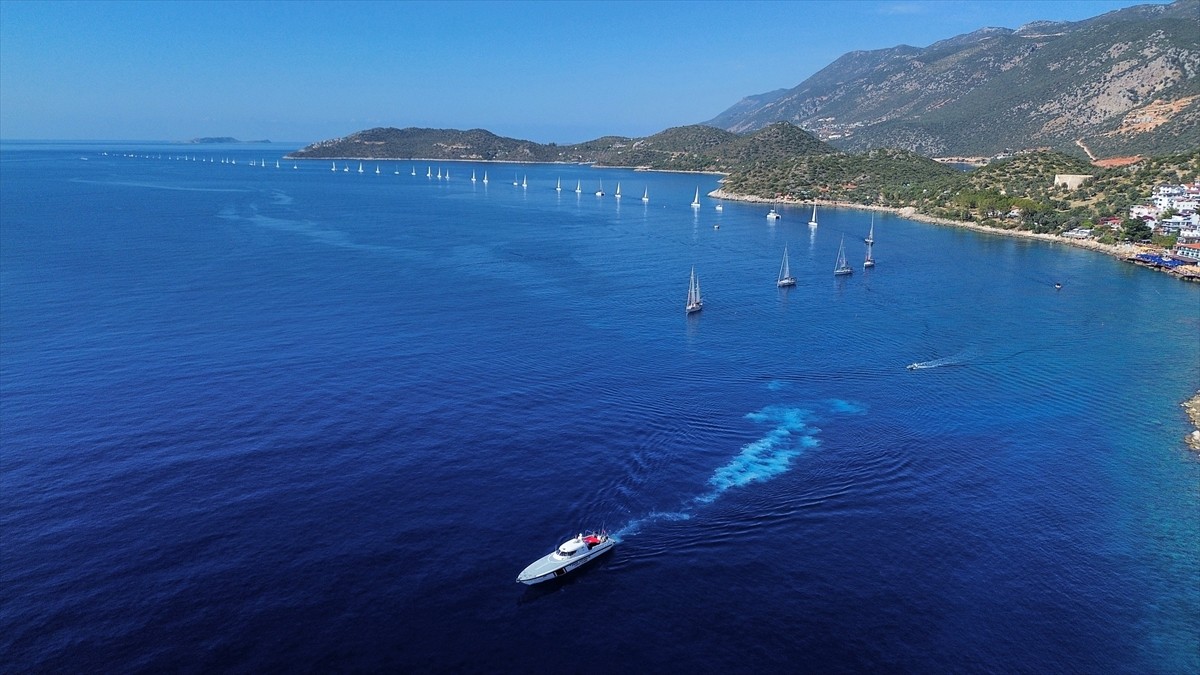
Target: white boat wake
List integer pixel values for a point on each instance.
(790, 435)
(958, 359)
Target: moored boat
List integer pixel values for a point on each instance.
(841, 267)
(785, 274)
(695, 302)
(569, 555)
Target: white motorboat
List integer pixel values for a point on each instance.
(571, 554)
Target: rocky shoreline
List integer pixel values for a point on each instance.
(1192, 408)
(1122, 251)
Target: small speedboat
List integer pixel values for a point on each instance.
(571, 554)
(913, 366)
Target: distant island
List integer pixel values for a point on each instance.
(222, 139)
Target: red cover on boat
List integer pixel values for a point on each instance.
(591, 539)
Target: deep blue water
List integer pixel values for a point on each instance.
(263, 420)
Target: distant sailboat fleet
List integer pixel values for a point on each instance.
(695, 302)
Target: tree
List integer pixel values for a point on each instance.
(1135, 230)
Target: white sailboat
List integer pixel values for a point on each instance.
(696, 199)
(439, 173)
(276, 164)
(429, 172)
(558, 187)
(695, 303)
(646, 194)
(785, 274)
(871, 235)
(334, 166)
(376, 169)
(720, 206)
(346, 168)
(397, 172)
(870, 261)
(617, 194)
(295, 166)
(447, 176)
(578, 188)
(485, 179)
(360, 169)
(515, 181)
(414, 169)
(813, 222)
(841, 267)
(524, 181)
(472, 175)
(600, 192)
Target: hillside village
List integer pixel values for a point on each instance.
(1172, 213)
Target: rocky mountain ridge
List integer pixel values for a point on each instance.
(1126, 82)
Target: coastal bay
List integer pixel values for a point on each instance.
(1122, 251)
(278, 407)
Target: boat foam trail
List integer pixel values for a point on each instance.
(958, 359)
(791, 434)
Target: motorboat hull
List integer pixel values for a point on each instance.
(552, 566)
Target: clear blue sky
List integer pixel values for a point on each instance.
(546, 71)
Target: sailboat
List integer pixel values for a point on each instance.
(334, 166)
(376, 169)
(558, 188)
(397, 172)
(485, 180)
(524, 181)
(720, 206)
(869, 262)
(414, 169)
(429, 172)
(773, 214)
(617, 194)
(600, 192)
(578, 189)
(439, 173)
(295, 166)
(360, 167)
(346, 168)
(871, 235)
(276, 164)
(785, 274)
(813, 222)
(696, 199)
(472, 175)
(840, 267)
(447, 176)
(694, 302)
(646, 194)
(515, 181)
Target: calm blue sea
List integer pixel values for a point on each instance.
(288, 420)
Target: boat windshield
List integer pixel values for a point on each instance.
(564, 552)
